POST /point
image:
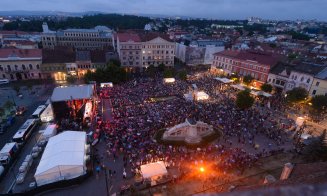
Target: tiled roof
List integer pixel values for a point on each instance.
(141, 36)
(125, 37)
(260, 57)
(58, 55)
(309, 68)
(83, 56)
(280, 67)
(21, 53)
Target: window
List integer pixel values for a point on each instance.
(31, 66)
(317, 83)
(302, 79)
(3, 76)
(23, 66)
(308, 80)
(1, 69)
(314, 92)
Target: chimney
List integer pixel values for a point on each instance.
(288, 167)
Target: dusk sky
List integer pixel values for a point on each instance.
(221, 9)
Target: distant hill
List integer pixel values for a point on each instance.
(46, 13)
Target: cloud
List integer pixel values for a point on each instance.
(225, 9)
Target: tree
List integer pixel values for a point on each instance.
(319, 103)
(71, 79)
(151, 71)
(182, 75)
(297, 94)
(266, 88)
(317, 149)
(29, 86)
(2, 112)
(168, 73)
(247, 79)
(244, 100)
(161, 67)
(8, 105)
(16, 88)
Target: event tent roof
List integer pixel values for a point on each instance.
(64, 150)
(224, 80)
(153, 169)
(65, 93)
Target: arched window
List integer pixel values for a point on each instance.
(31, 66)
(23, 66)
(37, 66)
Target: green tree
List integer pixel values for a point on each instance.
(319, 103)
(16, 88)
(266, 87)
(8, 105)
(182, 75)
(168, 73)
(244, 100)
(29, 86)
(317, 149)
(2, 111)
(161, 67)
(71, 79)
(247, 79)
(151, 71)
(297, 94)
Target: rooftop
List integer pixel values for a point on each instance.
(248, 55)
(20, 53)
(58, 55)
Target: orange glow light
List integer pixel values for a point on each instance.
(201, 169)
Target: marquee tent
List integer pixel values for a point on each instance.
(224, 80)
(63, 158)
(153, 170)
(77, 92)
(237, 86)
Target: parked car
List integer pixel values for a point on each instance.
(20, 110)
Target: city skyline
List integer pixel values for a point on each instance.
(217, 9)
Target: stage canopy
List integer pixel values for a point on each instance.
(153, 170)
(63, 158)
(238, 86)
(78, 92)
(224, 80)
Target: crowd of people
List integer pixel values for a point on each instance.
(143, 106)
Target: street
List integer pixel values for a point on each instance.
(31, 102)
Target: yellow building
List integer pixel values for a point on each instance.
(319, 87)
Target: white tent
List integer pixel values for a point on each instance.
(237, 86)
(201, 96)
(50, 131)
(153, 170)
(63, 158)
(47, 114)
(224, 80)
(77, 92)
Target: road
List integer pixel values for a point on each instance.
(31, 102)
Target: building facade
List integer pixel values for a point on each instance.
(243, 63)
(87, 39)
(145, 49)
(20, 64)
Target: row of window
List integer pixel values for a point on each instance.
(149, 52)
(82, 34)
(131, 63)
(294, 77)
(16, 67)
(21, 76)
(147, 46)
